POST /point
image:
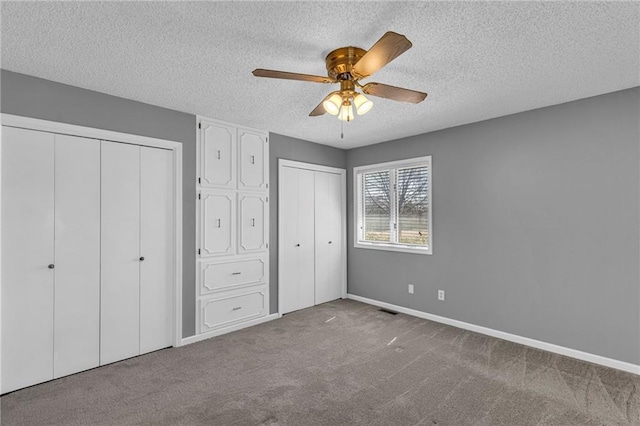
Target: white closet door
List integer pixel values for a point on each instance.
(328, 242)
(77, 255)
(254, 222)
(217, 223)
(296, 208)
(254, 158)
(156, 247)
(217, 149)
(27, 251)
(337, 235)
(120, 272)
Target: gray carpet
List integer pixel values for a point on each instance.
(306, 369)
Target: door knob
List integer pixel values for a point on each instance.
(141, 259)
(297, 245)
(329, 242)
(51, 266)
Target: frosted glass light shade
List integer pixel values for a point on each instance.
(363, 105)
(332, 104)
(346, 113)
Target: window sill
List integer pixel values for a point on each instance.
(394, 247)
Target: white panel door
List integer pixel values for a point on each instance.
(306, 231)
(218, 155)
(296, 209)
(120, 245)
(156, 248)
(27, 253)
(77, 255)
(289, 182)
(328, 237)
(253, 159)
(253, 224)
(217, 223)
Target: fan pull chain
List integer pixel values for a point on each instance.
(341, 129)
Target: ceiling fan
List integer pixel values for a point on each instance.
(349, 65)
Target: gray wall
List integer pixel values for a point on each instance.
(535, 226)
(34, 97)
(297, 150)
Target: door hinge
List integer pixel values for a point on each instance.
(199, 196)
(267, 186)
(199, 180)
(198, 251)
(267, 199)
(199, 125)
(267, 245)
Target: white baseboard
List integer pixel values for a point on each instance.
(214, 333)
(573, 353)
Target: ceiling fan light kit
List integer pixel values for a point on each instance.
(346, 112)
(348, 65)
(332, 103)
(363, 105)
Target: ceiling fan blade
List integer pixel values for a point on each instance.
(393, 93)
(390, 46)
(291, 76)
(319, 110)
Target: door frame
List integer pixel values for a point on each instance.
(343, 185)
(108, 135)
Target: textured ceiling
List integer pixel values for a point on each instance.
(476, 60)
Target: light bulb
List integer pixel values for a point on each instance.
(332, 103)
(363, 105)
(346, 112)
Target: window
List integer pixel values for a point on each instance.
(393, 206)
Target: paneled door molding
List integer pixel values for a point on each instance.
(107, 135)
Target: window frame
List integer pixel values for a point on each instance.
(358, 204)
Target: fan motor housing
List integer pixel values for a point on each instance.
(341, 60)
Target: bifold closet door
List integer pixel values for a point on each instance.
(328, 237)
(27, 253)
(77, 255)
(156, 247)
(296, 209)
(120, 246)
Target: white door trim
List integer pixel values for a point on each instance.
(108, 135)
(319, 168)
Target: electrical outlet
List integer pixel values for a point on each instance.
(410, 288)
(441, 295)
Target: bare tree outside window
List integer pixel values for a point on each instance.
(377, 206)
(413, 206)
(393, 206)
(411, 198)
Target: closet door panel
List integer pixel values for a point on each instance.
(306, 238)
(321, 241)
(297, 222)
(27, 250)
(329, 236)
(253, 222)
(335, 236)
(288, 210)
(218, 163)
(218, 222)
(77, 254)
(252, 148)
(156, 247)
(120, 271)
